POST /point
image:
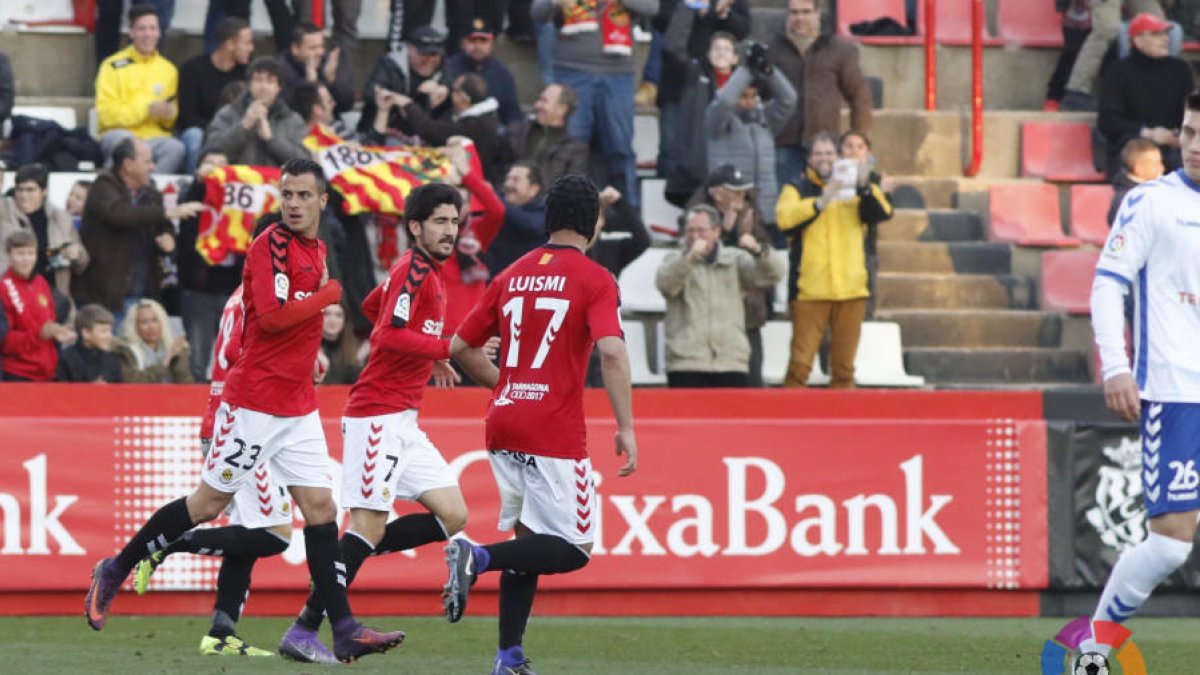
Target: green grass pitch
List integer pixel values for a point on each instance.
(575, 646)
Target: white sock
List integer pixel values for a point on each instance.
(1135, 576)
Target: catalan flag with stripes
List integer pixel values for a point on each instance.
(376, 178)
(236, 197)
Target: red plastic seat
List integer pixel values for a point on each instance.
(1067, 280)
(1030, 23)
(1058, 151)
(1089, 212)
(1027, 214)
(953, 23)
(851, 13)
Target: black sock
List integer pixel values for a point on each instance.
(327, 570)
(233, 586)
(536, 554)
(223, 625)
(355, 550)
(411, 531)
(233, 541)
(516, 603)
(166, 525)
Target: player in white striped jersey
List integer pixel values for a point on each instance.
(1151, 261)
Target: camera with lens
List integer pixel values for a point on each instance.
(755, 56)
(55, 259)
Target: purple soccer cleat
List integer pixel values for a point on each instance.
(102, 590)
(304, 645)
(350, 645)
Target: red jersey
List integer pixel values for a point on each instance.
(274, 373)
(466, 285)
(28, 305)
(408, 310)
(226, 349)
(549, 308)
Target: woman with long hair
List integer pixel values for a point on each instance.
(341, 346)
(150, 352)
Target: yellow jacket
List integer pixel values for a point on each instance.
(829, 243)
(127, 84)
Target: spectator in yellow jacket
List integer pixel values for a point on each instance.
(827, 218)
(136, 94)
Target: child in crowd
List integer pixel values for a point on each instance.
(31, 346)
(91, 358)
(1141, 161)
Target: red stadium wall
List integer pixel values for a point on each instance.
(763, 502)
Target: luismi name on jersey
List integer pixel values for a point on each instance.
(541, 283)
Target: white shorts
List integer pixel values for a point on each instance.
(549, 495)
(260, 502)
(388, 457)
(293, 447)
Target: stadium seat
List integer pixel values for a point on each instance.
(1026, 214)
(93, 123)
(660, 216)
(879, 361)
(777, 353)
(851, 13)
(1029, 23)
(638, 292)
(781, 288)
(1089, 212)
(953, 25)
(1058, 151)
(1067, 280)
(639, 355)
(63, 115)
(645, 141)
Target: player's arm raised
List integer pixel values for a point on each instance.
(614, 366)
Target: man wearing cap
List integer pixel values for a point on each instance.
(476, 57)
(704, 283)
(1106, 23)
(414, 70)
(732, 195)
(1144, 92)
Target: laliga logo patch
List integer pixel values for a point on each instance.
(402, 307)
(281, 286)
(226, 475)
(1116, 244)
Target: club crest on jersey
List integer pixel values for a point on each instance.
(226, 475)
(403, 306)
(282, 285)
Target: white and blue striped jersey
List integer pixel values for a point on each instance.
(1153, 252)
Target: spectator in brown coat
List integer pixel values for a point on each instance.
(126, 230)
(824, 70)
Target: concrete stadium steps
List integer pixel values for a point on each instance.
(954, 291)
(932, 225)
(986, 366)
(962, 257)
(975, 328)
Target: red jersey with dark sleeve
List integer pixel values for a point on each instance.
(549, 308)
(274, 372)
(28, 305)
(408, 310)
(226, 349)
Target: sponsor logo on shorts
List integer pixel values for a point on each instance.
(518, 457)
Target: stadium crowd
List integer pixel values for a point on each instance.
(118, 286)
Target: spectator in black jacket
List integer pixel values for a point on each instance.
(8, 88)
(1144, 92)
(306, 60)
(621, 237)
(474, 117)
(91, 359)
(203, 78)
(205, 286)
(415, 70)
(524, 227)
(476, 57)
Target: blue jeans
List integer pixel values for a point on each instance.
(790, 162)
(605, 115)
(547, 33)
(652, 71)
(193, 143)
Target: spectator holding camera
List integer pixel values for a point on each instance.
(704, 284)
(741, 129)
(149, 350)
(828, 214)
(59, 251)
(856, 147)
(91, 359)
(825, 71)
(30, 348)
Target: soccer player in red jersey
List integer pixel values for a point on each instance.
(387, 456)
(549, 308)
(269, 414)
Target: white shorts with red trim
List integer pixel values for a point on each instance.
(549, 495)
(388, 457)
(293, 447)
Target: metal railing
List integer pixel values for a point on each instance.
(978, 17)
